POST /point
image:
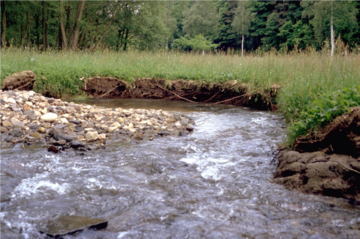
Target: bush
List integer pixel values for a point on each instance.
(198, 43)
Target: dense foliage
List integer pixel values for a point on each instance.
(152, 25)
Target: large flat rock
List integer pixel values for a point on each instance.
(68, 225)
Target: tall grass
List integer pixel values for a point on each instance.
(303, 77)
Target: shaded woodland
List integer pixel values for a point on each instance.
(182, 25)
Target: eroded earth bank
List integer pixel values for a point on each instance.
(327, 162)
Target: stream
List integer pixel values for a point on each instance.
(212, 183)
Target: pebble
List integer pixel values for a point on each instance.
(28, 117)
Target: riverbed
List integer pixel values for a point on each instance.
(213, 183)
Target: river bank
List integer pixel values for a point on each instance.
(66, 125)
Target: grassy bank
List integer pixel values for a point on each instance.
(314, 87)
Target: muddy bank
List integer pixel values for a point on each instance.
(327, 162)
(232, 92)
(28, 118)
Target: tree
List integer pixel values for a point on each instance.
(335, 16)
(3, 28)
(198, 43)
(241, 22)
(201, 18)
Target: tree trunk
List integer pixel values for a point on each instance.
(126, 37)
(242, 45)
(28, 28)
(23, 34)
(67, 27)
(332, 29)
(38, 31)
(64, 45)
(45, 32)
(3, 28)
(77, 24)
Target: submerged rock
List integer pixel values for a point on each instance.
(70, 225)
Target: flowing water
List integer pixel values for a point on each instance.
(213, 183)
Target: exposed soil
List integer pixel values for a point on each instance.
(21, 81)
(230, 92)
(327, 162)
(193, 91)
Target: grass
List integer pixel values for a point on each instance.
(304, 77)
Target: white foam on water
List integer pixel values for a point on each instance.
(31, 186)
(210, 167)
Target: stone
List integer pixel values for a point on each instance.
(53, 149)
(189, 128)
(70, 109)
(112, 129)
(6, 123)
(49, 117)
(102, 137)
(66, 137)
(138, 136)
(76, 144)
(64, 121)
(91, 136)
(41, 130)
(60, 142)
(178, 125)
(120, 120)
(16, 123)
(35, 135)
(3, 129)
(116, 124)
(27, 106)
(63, 226)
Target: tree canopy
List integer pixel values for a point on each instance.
(192, 25)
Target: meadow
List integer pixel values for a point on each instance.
(315, 87)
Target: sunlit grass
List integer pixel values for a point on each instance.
(303, 77)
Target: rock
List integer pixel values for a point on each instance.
(6, 123)
(91, 136)
(102, 137)
(76, 144)
(53, 149)
(189, 128)
(35, 135)
(70, 225)
(75, 121)
(60, 142)
(3, 129)
(49, 117)
(41, 130)
(64, 121)
(27, 106)
(66, 137)
(112, 129)
(50, 100)
(120, 120)
(178, 125)
(70, 109)
(17, 132)
(138, 136)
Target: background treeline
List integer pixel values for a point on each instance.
(183, 25)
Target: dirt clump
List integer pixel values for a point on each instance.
(23, 80)
(326, 162)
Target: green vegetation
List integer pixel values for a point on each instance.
(315, 87)
(153, 25)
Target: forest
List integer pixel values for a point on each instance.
(220, 25)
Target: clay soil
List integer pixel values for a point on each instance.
(326, 162)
